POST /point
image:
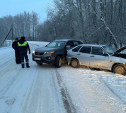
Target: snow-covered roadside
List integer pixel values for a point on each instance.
(91, 89)
(115, 82)
(7, 43)
(37, 43)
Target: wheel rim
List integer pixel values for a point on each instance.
(119, 70)
(74, 63)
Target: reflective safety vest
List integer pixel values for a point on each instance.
(24, 44)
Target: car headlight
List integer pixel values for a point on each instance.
(46, 52)
(33, 52)
(49, 52)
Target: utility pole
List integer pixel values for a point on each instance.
(11, 30)
(12, 33)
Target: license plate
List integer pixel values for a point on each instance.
(37, 58)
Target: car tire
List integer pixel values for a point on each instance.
(58, 61)
(74, 63)
(119, 69)
(39, 63)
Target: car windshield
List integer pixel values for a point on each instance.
(110, 50)
(56, 44)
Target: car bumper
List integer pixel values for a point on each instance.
(43, 58)
(68, 60)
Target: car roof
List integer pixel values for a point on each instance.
(67, 40)
(93, 45)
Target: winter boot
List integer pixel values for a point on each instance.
(22, 65)
(27, 65)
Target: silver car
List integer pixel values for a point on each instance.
(98, 56)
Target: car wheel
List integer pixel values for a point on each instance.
(74, 63)
(58, 62)
(119, 69)
(39, 63)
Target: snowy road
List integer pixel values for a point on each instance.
(45, 89)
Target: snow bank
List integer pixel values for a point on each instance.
(7, 43)
(38, 43)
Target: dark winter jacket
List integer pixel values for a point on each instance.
(15, 45)
(23, 46)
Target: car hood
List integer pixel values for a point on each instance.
(119, 50)
(45, 49)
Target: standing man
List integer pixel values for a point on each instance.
(23, 48)
(15, 47)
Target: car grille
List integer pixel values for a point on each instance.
(39, 53)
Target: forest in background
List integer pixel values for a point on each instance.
(93, 21)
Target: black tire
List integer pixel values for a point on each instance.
(39, 63)
(119, 69)
(58, 61)
(74, 63)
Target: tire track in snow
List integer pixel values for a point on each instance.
(105, 91)
(9, 77)
(70, 108)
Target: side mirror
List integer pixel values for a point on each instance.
(68, 47)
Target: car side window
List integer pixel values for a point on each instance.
(76, 43)
(97, 51)
(85, 49)
(76, 49)
(70, 43)
(60, 44)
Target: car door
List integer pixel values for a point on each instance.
(98, 58)
(84, 55)
(74, 52)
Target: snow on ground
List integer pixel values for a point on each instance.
(93, 91)
(46, 89)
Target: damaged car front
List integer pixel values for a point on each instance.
(120, 55)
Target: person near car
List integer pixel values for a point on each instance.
(23, 49)
(15, 47)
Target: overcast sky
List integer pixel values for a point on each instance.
(14, 7)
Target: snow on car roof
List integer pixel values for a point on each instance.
(94, 45)
(66, 39)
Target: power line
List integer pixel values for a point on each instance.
(96, 30)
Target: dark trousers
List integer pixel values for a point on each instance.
(17, 57)
(23, 55)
